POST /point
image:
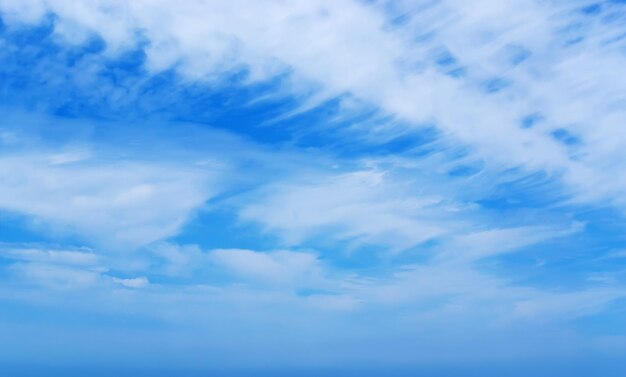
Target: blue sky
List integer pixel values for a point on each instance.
(312, 188)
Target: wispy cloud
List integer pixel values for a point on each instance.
(113, 202)
(334, 177)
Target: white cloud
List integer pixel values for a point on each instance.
(178, 260)
(546, 306)
(57, 269)
(413, 306)
(572, 80)
(287, 268)
(139, 282)
(115, 193)
(572, 77)
(363, 207)
(64, 257)
(128, 203)
(55, 276)
(470, 247)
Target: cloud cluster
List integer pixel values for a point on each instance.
(519, 83)
(367, 249)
